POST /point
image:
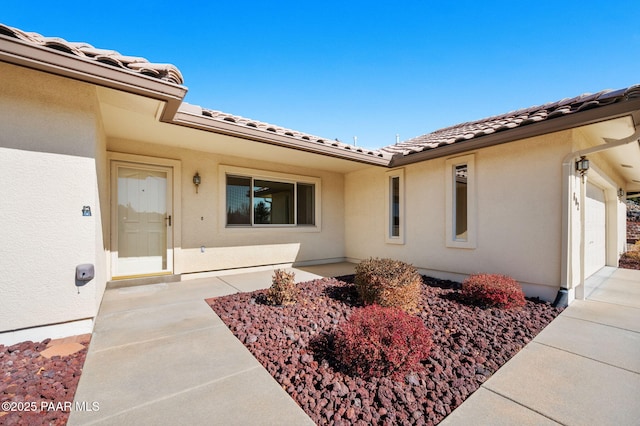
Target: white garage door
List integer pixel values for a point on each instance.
(595, 230)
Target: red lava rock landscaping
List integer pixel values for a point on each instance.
(34, 389)
(295, 344)
(631, 259)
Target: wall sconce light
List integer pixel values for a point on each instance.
(196, 181)
(582, 165)
(620, 192)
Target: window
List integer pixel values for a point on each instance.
(460, 203)
(238, 200)
(395, 207)
(273, 203)
(306, 203)
(253, 201)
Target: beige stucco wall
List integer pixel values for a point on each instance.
(101, 212)
(48, 147)
(202, 215)
(54, 161)
(518, 215)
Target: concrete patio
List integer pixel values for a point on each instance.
(160, 355)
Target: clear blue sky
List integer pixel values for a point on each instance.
(339, 69)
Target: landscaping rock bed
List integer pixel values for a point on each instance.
(630, 260)
(35, 390)
(294, 343)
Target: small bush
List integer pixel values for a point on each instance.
(635, 254)
(493, 290)
(283, 290)
(630, 259)
(378, 341)
(388, 282)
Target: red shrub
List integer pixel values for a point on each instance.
(493, 290)
(381, 341)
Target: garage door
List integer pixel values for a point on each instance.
(595, 230)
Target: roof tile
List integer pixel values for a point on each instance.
(511, 120)
(440, 138)
(273, 129)
(164, 72)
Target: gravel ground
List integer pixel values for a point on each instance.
(631, 259)
(35, 390)
(294, 345)
(628, 262)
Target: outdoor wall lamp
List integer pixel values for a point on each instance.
(196, 181)
(620, 192)
(582, 165)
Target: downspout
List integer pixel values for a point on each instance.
(566, 293)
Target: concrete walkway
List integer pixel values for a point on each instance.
(160, 355)
(582, 369)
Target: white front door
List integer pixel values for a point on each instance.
(141, 237)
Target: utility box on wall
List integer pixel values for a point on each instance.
(85, 272)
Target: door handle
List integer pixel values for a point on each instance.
(168, 218)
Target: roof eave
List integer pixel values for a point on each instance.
(199, 122)
(580, 119)
(18, 52)
(21, 53)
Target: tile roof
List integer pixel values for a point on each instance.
(165, 72)
(511, 120)
(474, 130)
(302, 137)
(170, 73)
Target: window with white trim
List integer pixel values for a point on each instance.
(461, 202)
(258, 201)
(395, 207)
(394, 189)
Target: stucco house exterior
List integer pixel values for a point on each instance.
(103, 166)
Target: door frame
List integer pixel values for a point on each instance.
(174, 187)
